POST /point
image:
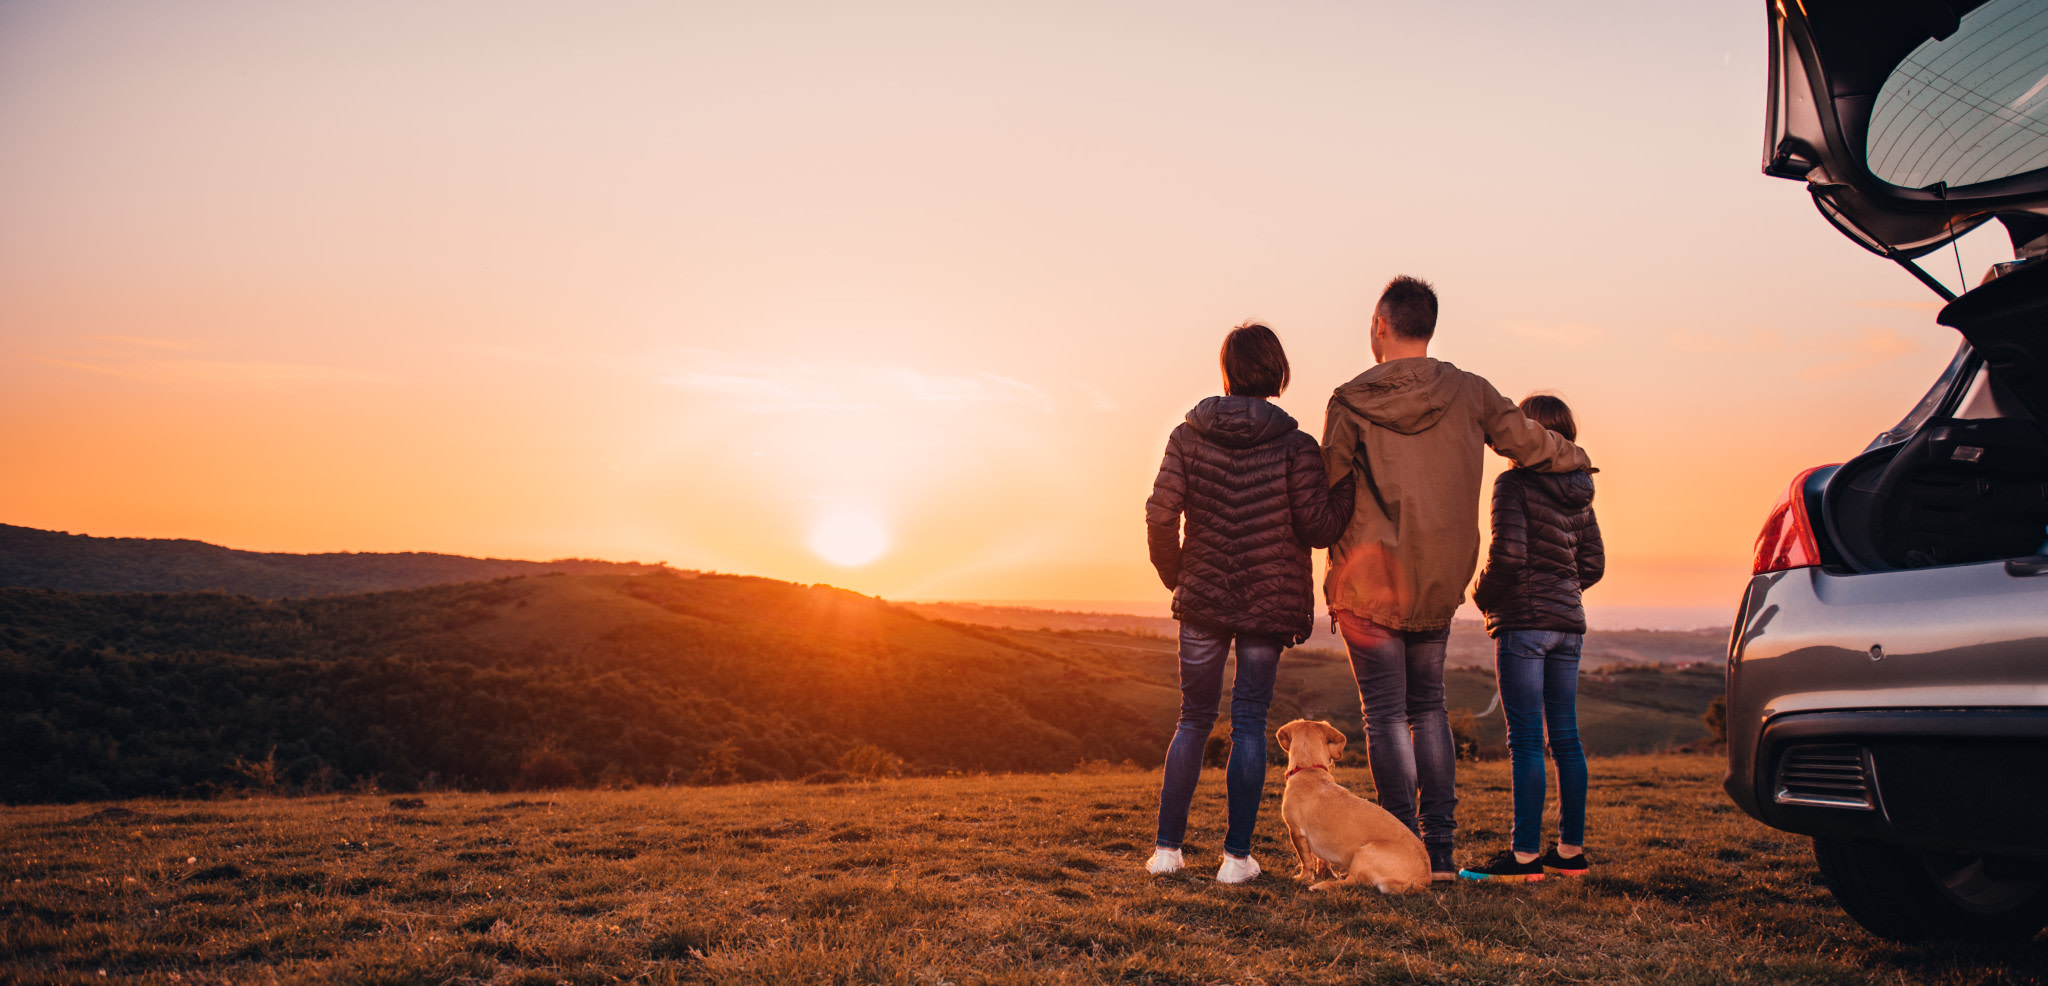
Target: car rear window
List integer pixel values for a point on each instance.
(1970, 108)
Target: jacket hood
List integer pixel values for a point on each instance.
(1571, 490)
(1407, 396)
(1239, 422)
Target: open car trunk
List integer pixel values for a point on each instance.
(1960, 490)
(1969, 482)
(1913, 122)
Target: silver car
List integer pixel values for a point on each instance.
(1888, 669)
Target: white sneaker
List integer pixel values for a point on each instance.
(1235, 870)
(1164, 861)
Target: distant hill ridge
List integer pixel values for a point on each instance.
(32, 558)
(1469, 646)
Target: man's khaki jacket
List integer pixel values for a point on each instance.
(1414, 432)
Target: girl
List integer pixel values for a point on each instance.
(1546, 551)
(1256, 499)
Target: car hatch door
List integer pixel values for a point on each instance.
(1913, 121)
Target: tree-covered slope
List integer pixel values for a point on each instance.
(534, 681)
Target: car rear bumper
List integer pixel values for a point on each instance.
(1970, 781)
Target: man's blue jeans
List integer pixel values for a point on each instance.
(1539, 690)
(1401, 689)
(1202, 653)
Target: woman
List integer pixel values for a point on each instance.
(1252, 488)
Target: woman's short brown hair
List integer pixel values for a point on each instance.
(1254, 365)
(1551, 413)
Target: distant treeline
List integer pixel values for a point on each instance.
(80, 563)
(535, 682)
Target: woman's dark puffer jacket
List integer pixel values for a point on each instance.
(1546, 548)
(1256, 498)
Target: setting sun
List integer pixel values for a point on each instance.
(849, 536)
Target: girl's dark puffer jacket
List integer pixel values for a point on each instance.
(1546, 549)
(1255, 494)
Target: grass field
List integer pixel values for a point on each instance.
(1000, 879)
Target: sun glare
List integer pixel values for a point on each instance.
(849, 536)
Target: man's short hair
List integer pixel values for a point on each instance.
(1408, 306)
(1254, 365)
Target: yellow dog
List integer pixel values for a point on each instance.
(1331, 828)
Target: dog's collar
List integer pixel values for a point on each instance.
(1291, 771)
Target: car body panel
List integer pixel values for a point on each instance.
(1948, 639)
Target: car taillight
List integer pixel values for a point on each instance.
(1787, 539)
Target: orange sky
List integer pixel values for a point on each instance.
(675, 281)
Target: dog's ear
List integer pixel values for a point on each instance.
(1286, 740)
(1335, 739)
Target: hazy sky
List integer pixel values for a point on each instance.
(685, 282)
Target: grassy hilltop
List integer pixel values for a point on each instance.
(993, 879)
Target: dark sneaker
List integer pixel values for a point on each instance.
(1563, 865)
(1504, 867)
(1440, 865)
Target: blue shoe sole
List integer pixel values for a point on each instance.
(1477, 876)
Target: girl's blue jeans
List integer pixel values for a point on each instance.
(1539, 692)
(1202, 653)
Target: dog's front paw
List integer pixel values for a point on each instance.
(1325, 885)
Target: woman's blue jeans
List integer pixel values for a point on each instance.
(1202, 653)
(1539, 692)
(1409, 747)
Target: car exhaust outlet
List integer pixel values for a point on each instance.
(1825, 776)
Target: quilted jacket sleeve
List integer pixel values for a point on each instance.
(1508, 556)
(1592, 552)
(1163, 511)
(1320, 511)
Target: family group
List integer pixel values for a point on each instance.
(1392, 490)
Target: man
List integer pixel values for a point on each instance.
(1412, 430)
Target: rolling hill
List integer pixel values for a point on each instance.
(34, 558)
(546, 681)
(599, 673)
(616, 680)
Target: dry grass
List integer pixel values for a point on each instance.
(977, 879)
